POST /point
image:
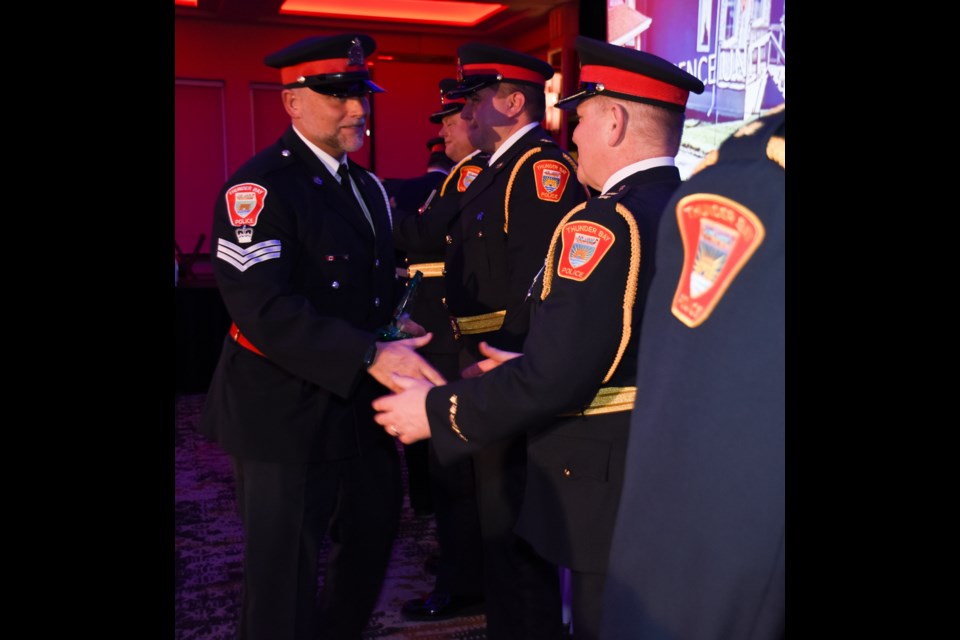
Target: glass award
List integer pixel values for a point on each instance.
(391, 331)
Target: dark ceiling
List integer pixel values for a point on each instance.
(520, 16)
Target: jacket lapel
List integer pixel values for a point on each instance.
(340, 201)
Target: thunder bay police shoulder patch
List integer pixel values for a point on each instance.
(719, 235)
(551, 178)
(584, 245)
(244, 203)
(467, 174)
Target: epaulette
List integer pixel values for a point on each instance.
(613, 196)
(763, 137)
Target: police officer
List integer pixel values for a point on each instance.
(698, 548)
(573, 387)
(303, 256)
(421, 232)
(495, 248)
(406, 197)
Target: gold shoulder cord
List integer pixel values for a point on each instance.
(777, 151)
(513, 176)
(630, 293)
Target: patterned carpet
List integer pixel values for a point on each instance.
(209, 548)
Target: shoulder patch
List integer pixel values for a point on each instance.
(551, 178)
(585, 244)
(244, 203)
(467, 174)
(719, 235)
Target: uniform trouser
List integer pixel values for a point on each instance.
(522, 590)
(460, 570)
(286, 511)
(586, 604)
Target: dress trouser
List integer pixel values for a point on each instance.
(286, 511)
(586, 604)
(522, 590)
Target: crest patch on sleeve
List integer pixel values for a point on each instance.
(551, 178)
(244, 203)
(719, 235)
(467, 174)
(584, 245)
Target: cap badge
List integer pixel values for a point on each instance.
(355, 54)
(719, 236)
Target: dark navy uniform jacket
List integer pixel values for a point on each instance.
(583, 336)
(698, 548)
(498, 240)
(307, 287)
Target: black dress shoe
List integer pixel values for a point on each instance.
(441, 606)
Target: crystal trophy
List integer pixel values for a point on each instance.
(392, 331)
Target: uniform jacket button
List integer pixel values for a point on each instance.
(376, 302)
(479, 234)
(566, 472)
(376, 262)
(335, 284)
(449, 239)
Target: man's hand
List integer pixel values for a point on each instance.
(495, 357)
(399, 357)
(409, 326)
(403, 415)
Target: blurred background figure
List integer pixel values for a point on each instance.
(699, 542)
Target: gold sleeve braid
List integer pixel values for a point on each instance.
(513, 176)
(630, 293)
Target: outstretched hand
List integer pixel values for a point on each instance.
(403, 415)
(495, 357)
(400, 357)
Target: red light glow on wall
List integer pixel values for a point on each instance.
(186, 3)
(457, 14)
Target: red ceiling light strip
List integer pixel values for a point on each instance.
(186, 3)
(457, 14)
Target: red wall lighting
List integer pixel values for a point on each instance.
(186, 3)
(456, 14)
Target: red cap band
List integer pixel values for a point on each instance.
(508, 71)
(634, 84)
(437, 147)
(289, 75)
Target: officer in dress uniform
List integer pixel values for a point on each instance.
(572, 388)
(495, 247)
(421, 233)
(303, 256)
(406, 196)
(698, 547)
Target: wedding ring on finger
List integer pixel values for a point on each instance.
(394, 429)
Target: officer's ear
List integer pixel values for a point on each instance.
(618, 119)
(516, 101)
(291, 102)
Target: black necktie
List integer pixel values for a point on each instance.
(348, 189)
(345, 179)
